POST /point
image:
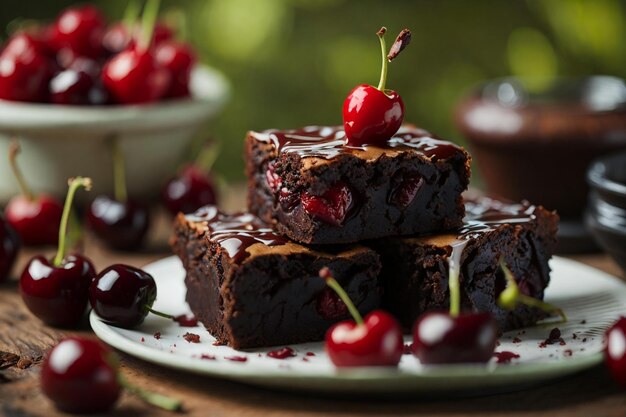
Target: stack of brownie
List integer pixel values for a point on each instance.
(388, 221)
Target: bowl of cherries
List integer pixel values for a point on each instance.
(69, 87)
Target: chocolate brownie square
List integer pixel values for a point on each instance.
(312, 187)
(415, 269)
(251, 287)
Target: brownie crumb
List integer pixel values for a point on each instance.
(583, 322)
(207, 357)
(554, 337)
(584, 340)
(305, 359)
(497, 343)
(517, 340)
(191, 337)
(218, 343)
(568, 352)
(157, 335)
(574, 336)
(407, 349)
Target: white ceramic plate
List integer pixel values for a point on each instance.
(591, 299)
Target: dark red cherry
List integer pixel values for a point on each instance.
(79, 29)
(179, 59)
(24, 70)
(441, 338)
(332, 207)
(122, 295)
(117, 38)
(57, 293)
(405, 187)
(373, 341)
(80, 375)
(36, 221)
(372, 115)
(36, 218)
(329, 305)
(188, 191)
(22, 43)
(122, 225)
(9, 247)
(134, 76)
(615, 351)
(70, 87)
(162, 33)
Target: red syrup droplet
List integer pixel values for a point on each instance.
(282, 353)
(157, 335)
(310, 354)
(236, 358)
(505, 356)
(207, 357)
(517, 340)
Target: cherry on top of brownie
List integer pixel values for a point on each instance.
(328, 142)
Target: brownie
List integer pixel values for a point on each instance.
(315, 189)
(415, 270)
(251, 287)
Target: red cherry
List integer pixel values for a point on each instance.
(24, 43)
(117, 38)
(178, 58)
(81, 376)
(57, 294)
(405, 187)
(332, 207)
(123, 295)
(372, 115)
(24, 70)
(441, 338)
(70, 87)
(79, 29)
(615, 351)
(35, 218)
(9, 247)
(189, 191)
(161, 33)
(134, 76)
(120, 224)
(36, 221)
(375, 341)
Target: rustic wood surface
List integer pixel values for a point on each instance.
(24, 340)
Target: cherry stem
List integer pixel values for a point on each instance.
(326, 275)
(148, 20)
(14, 150)
(131, 14)
(207, 157)
(158, 313)
(454, 287)
(119, 172)
(74, 184)
(383, 48)
(157, 400)
(511, 296)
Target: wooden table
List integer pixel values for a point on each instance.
(23, 341)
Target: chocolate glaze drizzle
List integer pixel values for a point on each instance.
(235, 232)
(483, 215)
(330, 141)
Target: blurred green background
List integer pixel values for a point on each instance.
(292, 62)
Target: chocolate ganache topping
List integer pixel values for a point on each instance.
(235, 232)
(330, 141)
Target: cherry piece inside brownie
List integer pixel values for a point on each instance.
(314, 188)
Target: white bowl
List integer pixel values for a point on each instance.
(59, 142)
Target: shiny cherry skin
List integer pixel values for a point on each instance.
(79, 29)
(80, 375)
(116, 38)
(188, 191)
(439, 338)
(120, 295)
(134, 76)
(57, 295)
(36, 221)
(179, 59)
(24, 70)
(70, 87)
(371, 116)
(9, 247)
(23, 43)
(615, 351)
(332, 207)
(376, 342)
(122, 225)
